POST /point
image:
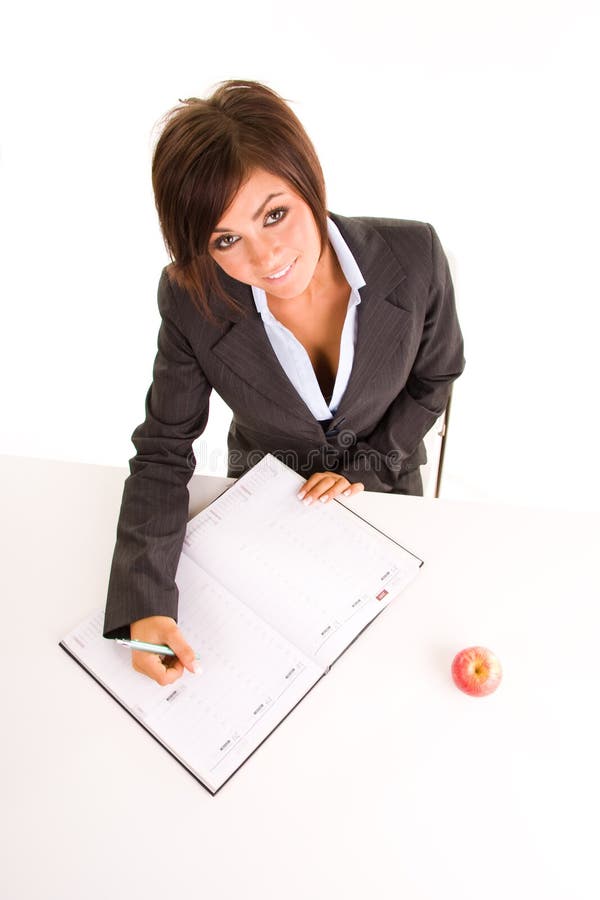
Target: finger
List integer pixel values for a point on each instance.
(316, 485)
(311, 482)
(172, 673)
(325, 486)
(342, 487)
(151, 665)
(353, 488)
(178, 644)
(356, 488)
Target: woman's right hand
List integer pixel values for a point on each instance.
(161, 630)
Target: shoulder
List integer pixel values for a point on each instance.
(394, 228)
(409, 246)
(175, 301)
(177, 309)
(169, 295)
(408, 239)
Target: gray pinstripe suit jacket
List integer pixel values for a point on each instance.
(409, 349)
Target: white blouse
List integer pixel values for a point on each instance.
(294, 359)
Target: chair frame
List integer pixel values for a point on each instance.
(443, 433)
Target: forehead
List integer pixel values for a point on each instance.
(253, 192)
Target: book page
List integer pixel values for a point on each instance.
(212, 721)
(317, 574)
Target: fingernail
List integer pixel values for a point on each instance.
(308, 501)
(197, 668)
(324, 498)
(301, 495)
(346, 493)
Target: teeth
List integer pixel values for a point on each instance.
(280, 274)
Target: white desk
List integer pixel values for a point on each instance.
(385, 782)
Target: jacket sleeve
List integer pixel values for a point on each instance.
(154, 508)
(394, 445)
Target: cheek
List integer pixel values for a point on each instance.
(234, 265)
(304, 235)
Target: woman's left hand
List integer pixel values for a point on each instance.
(325, 485)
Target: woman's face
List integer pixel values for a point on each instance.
(268, 237)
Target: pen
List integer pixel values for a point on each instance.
(161, 649)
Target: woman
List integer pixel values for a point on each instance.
(334, 340)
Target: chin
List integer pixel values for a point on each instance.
(286, 291)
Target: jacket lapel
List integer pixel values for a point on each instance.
(381, 323)
(247, 351)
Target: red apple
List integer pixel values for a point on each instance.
(476, 671)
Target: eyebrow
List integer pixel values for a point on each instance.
(257, 214)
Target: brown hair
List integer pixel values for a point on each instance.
(206, 150)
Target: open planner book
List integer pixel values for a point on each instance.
(271, 593)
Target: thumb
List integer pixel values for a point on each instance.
(182, 649)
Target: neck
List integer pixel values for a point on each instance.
(328, 273)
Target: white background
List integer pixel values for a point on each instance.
(477, 117)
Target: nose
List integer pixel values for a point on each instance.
(265, 254)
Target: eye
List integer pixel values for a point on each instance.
(225, 242)
(275, 215)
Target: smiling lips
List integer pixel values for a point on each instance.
(281, 273)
